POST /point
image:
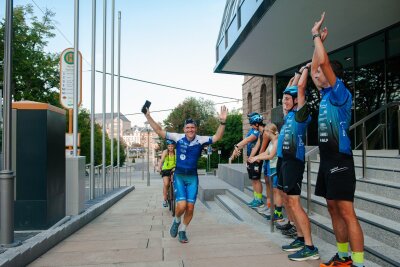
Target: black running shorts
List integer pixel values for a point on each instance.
(165, 173)
(254, 170)
(336, 178)
(290, 177)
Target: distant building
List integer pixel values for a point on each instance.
(125, 123)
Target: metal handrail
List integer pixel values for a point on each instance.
(363, 131)
(371, 133)
(272, 209)
(373, 114)
(312, 152)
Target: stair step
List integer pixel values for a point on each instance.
(388, 189)
(375, 250)
(377, 227)
(379, 205)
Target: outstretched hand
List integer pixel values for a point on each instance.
(223, 114)
(317, 25)
(324, 34)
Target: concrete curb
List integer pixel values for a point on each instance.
(34, 247)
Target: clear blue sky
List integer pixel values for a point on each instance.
(171, 42)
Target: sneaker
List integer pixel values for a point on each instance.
(174, 229)
(296, 245)
(251, 202)
(267, 214)
(337, 261)
(182, 237)
(165, 203)
(256, 204)
(290, 232)
(285, 226)
(305, 254)
(261, 208)
(278, 217)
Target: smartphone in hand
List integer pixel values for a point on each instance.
(146, 106)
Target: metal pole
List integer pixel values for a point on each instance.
(272, 209)
(119, 97)
(308, 185)
(398, 128)
(93, 99)
(76, 77)
(148, 157)
(112, 90)
(7, 175)
(104, 94)
(364, 151)
(142, 167)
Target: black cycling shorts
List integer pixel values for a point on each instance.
(290, 176)
(336, 178)
(165, 173)
(254, 170)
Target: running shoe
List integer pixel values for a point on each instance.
(182, 237)
(174, 229)
(305, 254)
(296, 245)
(256, 204)
(337, 261)
(251, 202)
(262, 208)
(278, 217)
(290, 232)
(165, 203)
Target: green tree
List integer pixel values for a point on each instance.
(35, 72)
(200, 110)
(232, 136)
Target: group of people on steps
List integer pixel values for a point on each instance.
(281, 156)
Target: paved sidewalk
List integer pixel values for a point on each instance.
(135, 232)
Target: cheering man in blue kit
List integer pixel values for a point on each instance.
(188, 150)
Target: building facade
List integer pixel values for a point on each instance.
(256, 42)
(124, 122)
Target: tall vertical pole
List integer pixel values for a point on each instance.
(76, 77)
(6, 174)
(92, 102)
(119, 97)
(148, 156)
(112, 91)
(104, 94)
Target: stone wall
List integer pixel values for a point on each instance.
(254, 85)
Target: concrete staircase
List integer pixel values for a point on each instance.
(377, 203)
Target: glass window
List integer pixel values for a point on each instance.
(249, 103)
(370, 92)
(263, 98)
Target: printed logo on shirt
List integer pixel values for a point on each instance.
(182, 157)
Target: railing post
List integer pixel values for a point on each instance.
(308, 186)
(398, 128)
(126, 175)
(272, 209)
(364, 150)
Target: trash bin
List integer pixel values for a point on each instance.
(38, 151)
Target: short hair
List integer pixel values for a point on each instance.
(337, 68)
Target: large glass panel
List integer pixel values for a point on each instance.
(370, 92)
(393, 84)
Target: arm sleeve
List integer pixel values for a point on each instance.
(173, 136)
(339, 94)
(302, 114)
(205, 140)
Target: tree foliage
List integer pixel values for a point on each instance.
(200, 110)
(35, 72)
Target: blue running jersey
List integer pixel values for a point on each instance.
(188, 152)
(294, 134)
(250, 145)
(334, 119)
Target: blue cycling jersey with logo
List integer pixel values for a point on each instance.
(250, 145)
(188, 152)
(334, 119)
(294, 136)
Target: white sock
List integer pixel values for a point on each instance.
(177, 219)
(182, 227)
